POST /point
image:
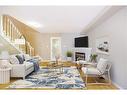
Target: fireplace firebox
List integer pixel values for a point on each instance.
(79, 56)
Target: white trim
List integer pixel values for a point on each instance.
(118, 86)
(51, 45)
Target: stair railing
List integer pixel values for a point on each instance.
(11, 32)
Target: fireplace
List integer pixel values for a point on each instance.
(79, 56)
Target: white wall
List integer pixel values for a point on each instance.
(116, 29)
(0, 24)
(67, 43)
(43, 42)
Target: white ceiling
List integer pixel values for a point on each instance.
(55, 19)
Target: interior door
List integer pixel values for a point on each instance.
(55, 47)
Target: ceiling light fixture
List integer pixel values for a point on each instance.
(34, 24)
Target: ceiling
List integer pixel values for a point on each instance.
(55, 19)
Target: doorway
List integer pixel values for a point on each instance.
(55, 47)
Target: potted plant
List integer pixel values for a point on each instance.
(93, 58)
(69, 55)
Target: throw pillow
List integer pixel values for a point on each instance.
(20, 59)
(13, 59)
(23, 57)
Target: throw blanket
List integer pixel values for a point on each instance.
(36, 64)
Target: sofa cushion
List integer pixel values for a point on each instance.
(91, 71)
(13, 59)
(28, 65)
(20, 58)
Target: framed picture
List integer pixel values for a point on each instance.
(102, 45)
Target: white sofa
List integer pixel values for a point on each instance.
(20, 70)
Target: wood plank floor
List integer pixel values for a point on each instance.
(89, 86)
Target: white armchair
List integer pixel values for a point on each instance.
(101, 70)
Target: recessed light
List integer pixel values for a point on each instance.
(34, 24)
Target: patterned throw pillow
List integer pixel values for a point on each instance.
(13, 60)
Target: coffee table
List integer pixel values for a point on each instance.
(56, 67)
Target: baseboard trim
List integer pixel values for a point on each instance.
(118, 86)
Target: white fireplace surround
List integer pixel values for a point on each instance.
(87, 52)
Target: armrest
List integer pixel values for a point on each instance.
(18, 70)
(37, 57)
(18, 66)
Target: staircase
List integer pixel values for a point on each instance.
(14, 37)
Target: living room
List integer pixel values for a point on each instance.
(86, 35)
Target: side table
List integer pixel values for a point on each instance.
(5, 75)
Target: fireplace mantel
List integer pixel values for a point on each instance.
(87, 52)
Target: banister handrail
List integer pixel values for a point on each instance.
(12, 32)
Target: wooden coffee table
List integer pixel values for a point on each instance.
(56, 67)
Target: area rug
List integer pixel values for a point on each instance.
(69, 78)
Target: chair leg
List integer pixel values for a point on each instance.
(86, 79)
(109, 79)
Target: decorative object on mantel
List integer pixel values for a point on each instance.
(102, 45)
(69, 55)
(93, 58)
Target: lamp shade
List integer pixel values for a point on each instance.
(4, 55)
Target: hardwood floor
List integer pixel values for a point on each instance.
(89, 86)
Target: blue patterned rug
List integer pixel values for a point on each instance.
(50, 78)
